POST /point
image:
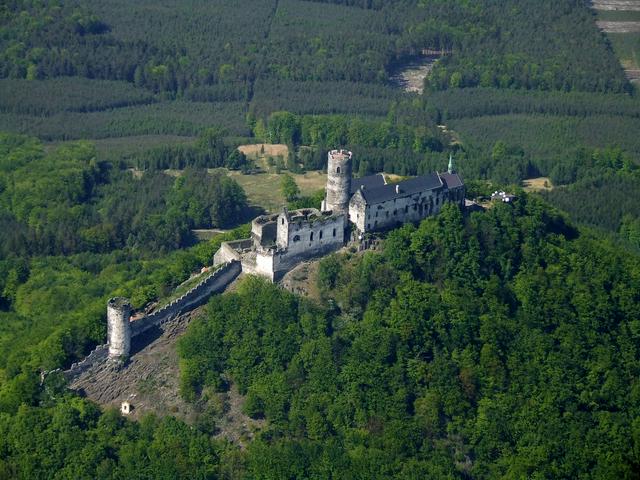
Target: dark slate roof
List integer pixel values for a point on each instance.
(452, 180)
(407, 187)
(370, 181)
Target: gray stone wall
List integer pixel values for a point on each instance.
(198, 295)
(118, 327)
(263, 230)
(230, 251)
(338, 191)
(402, 209)
(195, 297)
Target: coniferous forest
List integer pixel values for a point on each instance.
(495, 344)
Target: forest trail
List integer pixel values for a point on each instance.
(612, 5)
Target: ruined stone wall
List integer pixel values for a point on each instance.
(358, 211)
(215, 282)
(198, 295)
(230, 251)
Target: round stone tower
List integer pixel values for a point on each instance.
(338, 182)
(118, 328)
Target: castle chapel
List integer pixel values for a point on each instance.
(352, 206)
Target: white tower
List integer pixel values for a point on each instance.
(118, 328)
(338, 182)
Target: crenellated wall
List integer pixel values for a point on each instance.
(195, 297)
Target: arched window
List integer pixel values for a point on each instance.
(320, 234)
(282, 220)
(311, 237)
(334, 232)
(338, 170)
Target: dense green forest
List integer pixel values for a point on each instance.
(478, 347)
(501, 344)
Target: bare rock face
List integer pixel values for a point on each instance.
(149, 383)
(149, 380)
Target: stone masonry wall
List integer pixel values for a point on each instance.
(195, 297)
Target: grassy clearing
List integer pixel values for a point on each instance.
(627, 48)
(537, 184)
(263, 189)
(261, 152)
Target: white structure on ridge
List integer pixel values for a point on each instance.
(280, 241)
(118, 328)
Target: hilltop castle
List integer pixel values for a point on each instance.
(352, 206)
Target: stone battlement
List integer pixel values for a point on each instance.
(196, 296)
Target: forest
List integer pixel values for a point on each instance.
(499, 344)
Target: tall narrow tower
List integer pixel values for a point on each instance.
(450, 168)
(338, 182)
(118, 328)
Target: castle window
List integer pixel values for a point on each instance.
(338, 170)
(320, 234)
(296, 238)
(283, 221)
(334, 232)
(406, 208)
(311, 237)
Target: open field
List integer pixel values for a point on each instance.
(264, 188)
(258, 149)
(261, 151)
(537, 184)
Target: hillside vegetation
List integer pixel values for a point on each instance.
(501, 344)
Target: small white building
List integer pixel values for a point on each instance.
(126, 408)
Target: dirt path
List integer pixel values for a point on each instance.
(618, 27)
(629, 5)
